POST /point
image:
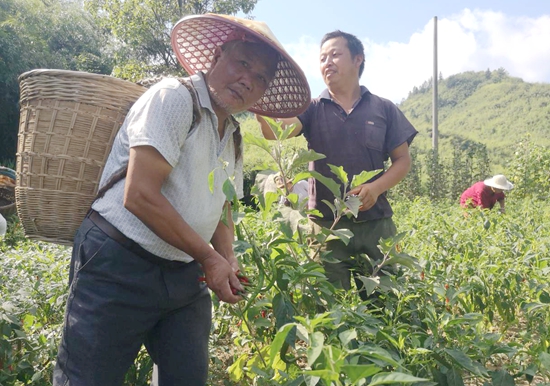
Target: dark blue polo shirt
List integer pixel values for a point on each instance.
(359, 141)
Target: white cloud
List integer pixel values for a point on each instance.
(471, 40)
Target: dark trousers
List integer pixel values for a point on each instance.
(366, 238)
(118, 301)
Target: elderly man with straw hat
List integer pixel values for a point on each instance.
(485, 194)
(156, 227)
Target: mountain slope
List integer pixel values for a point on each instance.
(487, 107)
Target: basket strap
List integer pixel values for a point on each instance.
(121, 174)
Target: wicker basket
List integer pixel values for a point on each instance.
(7, 191)
(67, 126)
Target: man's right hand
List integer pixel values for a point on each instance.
(221, 278)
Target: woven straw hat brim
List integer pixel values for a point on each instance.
(195, 39)
(499, 183)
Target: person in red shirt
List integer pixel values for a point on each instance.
(485, 194)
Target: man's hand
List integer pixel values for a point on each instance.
(367, 194)
(221, 278)
(233, 262)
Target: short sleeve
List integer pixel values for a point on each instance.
(399, 129)
(162, 118)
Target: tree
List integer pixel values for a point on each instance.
(141, 30)
(56, 34)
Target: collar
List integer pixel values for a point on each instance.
(326, 95)
(201, 88)
(199, 83)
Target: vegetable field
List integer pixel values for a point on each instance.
(468, 302)
(471, 305)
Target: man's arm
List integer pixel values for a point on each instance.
(222, 239)
(400, 166)
(147, 171)
(501, 203)
(268, 133)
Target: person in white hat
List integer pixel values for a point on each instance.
(485, 194)
(154, 242)
(300, 188)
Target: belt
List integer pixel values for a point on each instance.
(111, 231)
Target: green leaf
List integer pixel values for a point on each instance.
(463, 360)
(353, 204)
(211, 181)
(229, 190)
(36, 376)
(311, 380)
(363, 177)
(358, 372)
(374, 352)
(403, 259)
(339, 172)
(332, 185)
(454, 378)
(277, 128)
(278, 341)
(544, 297)
(268, 200)
(316, 342)
(544, 359)
(347, 336)
(236, 370)
(341, 234)
(304, 156)
(395, 377)
(262, 143)
(370, 283)
(326, 375)
(283, 311)
(502, 378)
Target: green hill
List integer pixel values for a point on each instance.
(488, 107)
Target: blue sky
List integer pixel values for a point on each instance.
(398, 37)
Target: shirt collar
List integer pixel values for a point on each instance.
(201, 88)
(199, 83)
(326, 95)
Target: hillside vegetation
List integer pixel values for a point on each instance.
(488, 107)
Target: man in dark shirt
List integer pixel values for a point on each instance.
(357, 130)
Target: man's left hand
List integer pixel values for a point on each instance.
(233, 262)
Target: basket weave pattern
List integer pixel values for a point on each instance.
(68, 121)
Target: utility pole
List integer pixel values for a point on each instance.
(435, 132)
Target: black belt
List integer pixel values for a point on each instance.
(130, 244)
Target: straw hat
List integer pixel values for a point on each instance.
(279, 180)
(499, 182)
(195, 39)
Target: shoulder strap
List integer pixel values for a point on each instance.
(121, 174)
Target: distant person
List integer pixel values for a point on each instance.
(485, 194)
(359, 131)
(300, 188)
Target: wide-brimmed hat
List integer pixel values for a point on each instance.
(499, 182)
(279, 180)
(195, 39)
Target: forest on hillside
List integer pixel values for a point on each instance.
(127, 39)
(487, 108)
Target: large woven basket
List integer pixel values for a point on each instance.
(67, 126)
